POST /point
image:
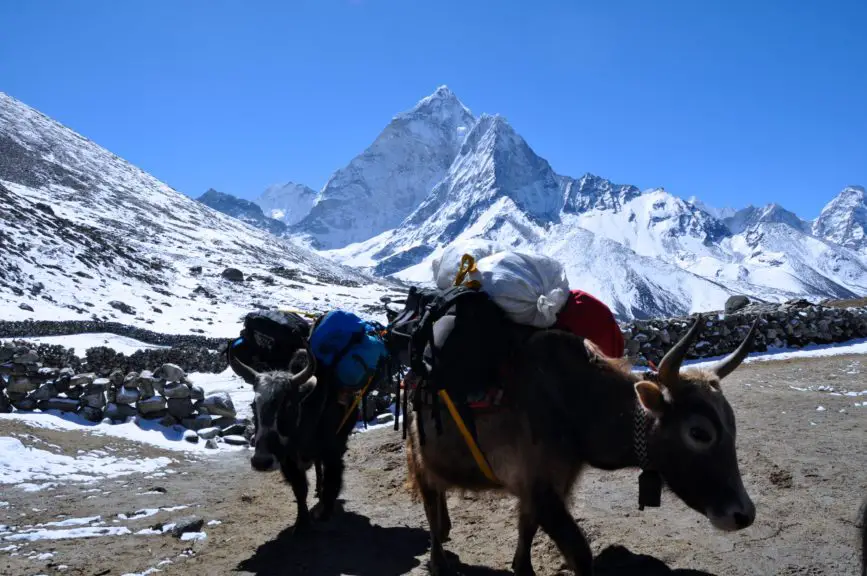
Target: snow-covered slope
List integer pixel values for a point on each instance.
(288, 203)
(242, 210)
(844, 219)
(385, 183)
(85, 234)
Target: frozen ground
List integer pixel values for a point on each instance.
(801, 423)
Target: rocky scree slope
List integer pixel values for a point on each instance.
(86, 235)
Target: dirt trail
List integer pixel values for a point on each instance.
(805, 468)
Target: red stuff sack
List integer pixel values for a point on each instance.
(584, 315)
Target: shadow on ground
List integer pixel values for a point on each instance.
(613, 561)
(619, 561)
(348, 544)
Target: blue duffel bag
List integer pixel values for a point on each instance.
(351, 348)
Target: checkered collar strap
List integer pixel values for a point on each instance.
(641, 424)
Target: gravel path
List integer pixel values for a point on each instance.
(805, 467)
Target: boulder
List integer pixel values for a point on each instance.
(176, 390)
(116, 378)
(21, 385)
(170, 373)
(180, 408)
(45, 392)
(196, 422)
(735, 303)
(90, 413)
(152, 405)
(126, 395)
(61, 404)
(219, 404)
(232, 275)
(118, 411)
(208, 433)
(130, 382)
(82, 379)
(122, 307)
(233, 440)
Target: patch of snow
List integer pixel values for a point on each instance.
(20, 464)
(187, 536)
(82, 342)
(68, 534)
(71, 522)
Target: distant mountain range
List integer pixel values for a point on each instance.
(85, 234)
(437, 173)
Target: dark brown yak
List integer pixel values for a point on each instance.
(587, 410)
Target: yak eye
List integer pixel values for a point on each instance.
(699, 433)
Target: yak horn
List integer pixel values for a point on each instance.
(245, 372)
(728, 364)
(309, 370)
(669, 366)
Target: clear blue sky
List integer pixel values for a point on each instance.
(735, 101)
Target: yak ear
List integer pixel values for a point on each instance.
(650, 396)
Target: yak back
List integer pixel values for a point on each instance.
(461, 341)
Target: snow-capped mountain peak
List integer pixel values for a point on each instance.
(718, 213)
(844, 219)
(443, 106)
(771, 213)
(289, 202)
(591, 192)
(381, 186)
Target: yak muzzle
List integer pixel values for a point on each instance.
(264, 463)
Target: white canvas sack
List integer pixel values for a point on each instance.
(445, 268)
(530, 288)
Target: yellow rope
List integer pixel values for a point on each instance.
(354, 403)
(468, 266)
(468, 438)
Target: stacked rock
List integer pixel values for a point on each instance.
(166, 395)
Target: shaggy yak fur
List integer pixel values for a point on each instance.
(579, 408)
(297, 415)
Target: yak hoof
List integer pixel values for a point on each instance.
(303, 527)
(523, 568)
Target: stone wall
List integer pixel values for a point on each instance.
(794, 324)
(34, 328)
(49, 378)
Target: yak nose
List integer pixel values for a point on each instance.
(737, 516)
(263, 462)
(746, 516)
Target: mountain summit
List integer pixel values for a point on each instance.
(844, 219)
(385, 183)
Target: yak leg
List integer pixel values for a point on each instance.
(298, 480)
(332, 483)
(554, 518)
(445, 521)
(434, 506)
(522, 563)
(318, 466)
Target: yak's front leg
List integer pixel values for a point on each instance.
(298, 480)
(318, 466)
(437, 514)
(522, 563)
(551, 514)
